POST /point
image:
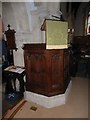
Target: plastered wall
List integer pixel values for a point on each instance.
(26, 21)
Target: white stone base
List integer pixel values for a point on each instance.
(48, 102)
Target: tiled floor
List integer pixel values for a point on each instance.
(76, 106)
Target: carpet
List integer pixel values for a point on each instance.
(12, 112)
(9, 101)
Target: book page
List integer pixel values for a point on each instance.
(14, 69)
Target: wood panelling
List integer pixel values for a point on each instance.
(47, 71)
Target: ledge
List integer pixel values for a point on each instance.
(48, 102)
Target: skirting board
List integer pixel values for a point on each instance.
(48, 102)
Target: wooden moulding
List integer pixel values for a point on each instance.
(41, 46)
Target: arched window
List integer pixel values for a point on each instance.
(88, 24)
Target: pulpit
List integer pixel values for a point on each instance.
(47, 64)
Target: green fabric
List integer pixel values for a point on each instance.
(56, 32)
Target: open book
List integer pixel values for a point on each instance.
(15, 69)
